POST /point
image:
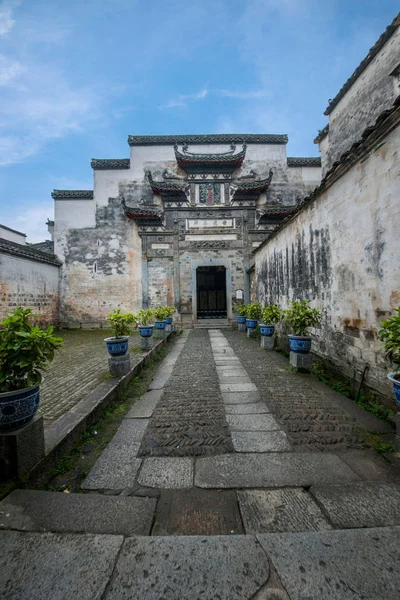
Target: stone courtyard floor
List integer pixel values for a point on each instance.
(78, 368)
(230, 478)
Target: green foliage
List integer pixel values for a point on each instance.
(121, 322)
(253, 311)
(389, 334)
(144, 316)
(300, 316)
(169, 311)
(241, 309)
(271, 314)
(25, 349)
(161, 313)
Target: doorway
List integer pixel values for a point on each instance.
(211, 292)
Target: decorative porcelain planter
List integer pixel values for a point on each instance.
(241, 320)
(146, 331)
(300, 344)
(168, 320)
(117, 346)
(160, 324)
(396, 387)
(251, 323)
(267, 330)
(18, 408)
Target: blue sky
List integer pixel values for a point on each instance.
(77, 77)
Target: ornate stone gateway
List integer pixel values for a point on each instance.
(211, 292)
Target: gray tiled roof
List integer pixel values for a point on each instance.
(45, 246)
(71, 194)
(27, 251)
(304, 161)
(214, 138)
(110, 163)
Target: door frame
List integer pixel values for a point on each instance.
(212, 262)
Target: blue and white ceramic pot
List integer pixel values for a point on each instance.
(18, 408)
(146, 331)
(251, 323)
(160, 324)
(117, 346)
(396, 386)
(168, 320)
(267, 330)
(300, 344)
(241, 320)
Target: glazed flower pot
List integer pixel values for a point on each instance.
(117, 346)
(396, 386)
(300, 344)
(17, 408)
(160, 324)
(267, 330)
(241, 320)
(146, 331)
(168, 320)
(251, 323)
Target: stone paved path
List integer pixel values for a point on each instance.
(253, 518)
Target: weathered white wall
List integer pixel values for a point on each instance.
(30, 284)
(76, 214)
(342, 252)
(374, 91)
(12, 236)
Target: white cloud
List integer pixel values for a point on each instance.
(6, 19)
(184, 99)
(9, 70)
(32, 221)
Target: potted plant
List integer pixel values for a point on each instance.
(253, 314)
(241, 313)
(389, 334)
(271, 315)
(25, 349)
(144, 319)
(160, 314)
(121, 323)
(300, 316)
(169, 312)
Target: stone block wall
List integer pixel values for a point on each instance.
(342, 252)
(30, 284)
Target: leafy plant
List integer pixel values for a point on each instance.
(300, 316)
(161, 313)
(169, 311)
(271, 314)
(121, 322)
(144, 316)
(241, 309)
(25, 349)
(389, 334)
(253, 311)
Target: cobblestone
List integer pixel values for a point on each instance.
(77, 369)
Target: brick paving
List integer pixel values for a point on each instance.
(77, 369)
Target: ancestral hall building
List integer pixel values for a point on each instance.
(175, 223)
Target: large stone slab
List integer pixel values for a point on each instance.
(176, 568)
(271, 470)
(117, 466)
(197, 512)
(280, 511)
(238, 387)
(364, 504)
(233, 378)
(260, 441)
(257, 408)
(170, 473)
(145, 406)
(337, 565)
(241, 397)
(252, 422)
(39, 566)
(369, 465)
(30, 510)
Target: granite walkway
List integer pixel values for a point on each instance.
(167, 514)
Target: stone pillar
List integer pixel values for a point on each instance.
(119, 365)
(22, 449)
(145, 344)
(251, 332)
(168, 328)
(160, 334)
(267, 342)
(301, 362)
(241, 326)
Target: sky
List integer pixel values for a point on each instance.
(77, 77)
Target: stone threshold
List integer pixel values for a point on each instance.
(66, 431)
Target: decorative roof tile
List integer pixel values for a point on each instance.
(304, 161)
(251, 189)
(110, 163)
(45, 246)
(216, 138)
(389, 31)
(142, 213)
(322, 133)
(170, 189)
(223, 162)
(72, 194)
(27, 251)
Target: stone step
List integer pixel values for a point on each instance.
(212, 324)
(58, 512)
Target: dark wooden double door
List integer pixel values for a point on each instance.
(211, 292)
